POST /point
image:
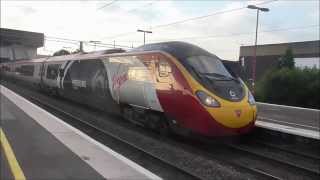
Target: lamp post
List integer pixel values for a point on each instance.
(254, 62)
(144, 35)
(81, 47)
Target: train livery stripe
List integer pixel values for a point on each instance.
(63, 67)
(69, 63)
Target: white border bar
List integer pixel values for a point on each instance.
(288, 123)
(290, 130)
(290, 107)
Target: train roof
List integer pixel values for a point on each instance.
(58, 58)
(181, 50)
(178, 49)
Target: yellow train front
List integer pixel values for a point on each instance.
(199, 94)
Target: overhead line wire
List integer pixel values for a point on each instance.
(73, 41)
(148, 4)
(106, 5)
(208, 15)
(191, 19)
(238, 34)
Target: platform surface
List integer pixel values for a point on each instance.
(299, 117)
(44, 147)
(288, 119)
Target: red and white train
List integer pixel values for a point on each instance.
(167, 86)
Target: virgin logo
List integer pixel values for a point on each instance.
(117, 81)
(238, 112)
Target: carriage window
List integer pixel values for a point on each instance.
(7, 68)
(17, 69)
(139, 74)
(52, 71)
(164, 69)
(26, 70)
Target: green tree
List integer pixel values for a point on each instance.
(287, 60)
(61, 52)
(296, 87)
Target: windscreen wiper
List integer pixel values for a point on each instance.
(220, 77)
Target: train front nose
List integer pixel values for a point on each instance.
(234, 116)
(235, 119)
(230, 114)
(228, 117)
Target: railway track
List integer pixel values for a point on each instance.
(91, 127)
(206, 150)
(296, 164)
(244, 159)
(293, 151)
(257, 172)
(255, 161)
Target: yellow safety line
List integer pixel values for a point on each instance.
(13, 163)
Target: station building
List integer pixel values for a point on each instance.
(306, 54)
(18, 45)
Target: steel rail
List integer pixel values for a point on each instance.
(302, 154)
(91, 126)
(266, 157)
(204, 150)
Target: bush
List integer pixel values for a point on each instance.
(295, 87)
(287, 60)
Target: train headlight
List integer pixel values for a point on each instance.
(207, 100)
(251, 100)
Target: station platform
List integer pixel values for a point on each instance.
(37, 145)
(288, 129)
(298, 121)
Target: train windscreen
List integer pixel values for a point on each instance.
(211, 73)
(208, 65)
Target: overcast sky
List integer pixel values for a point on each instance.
(222, 33)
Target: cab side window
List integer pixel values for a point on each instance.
(52, 71)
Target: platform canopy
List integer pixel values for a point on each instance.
(11, 36)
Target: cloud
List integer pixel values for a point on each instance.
(84, 20)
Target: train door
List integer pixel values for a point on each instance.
(42, 73)
(51, 75)
(94, 77)
(37, 73)
(150, 86)
(12, 72)
(45, 66)
(71, 81)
